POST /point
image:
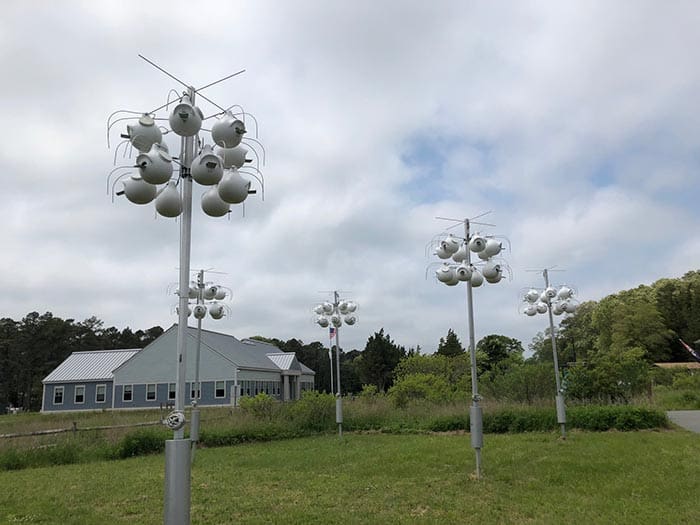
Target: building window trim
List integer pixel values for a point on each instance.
(79, 400)
(130, 390)
(172, 391)
(103, 388)
(220, 389)
(198, 393)
(56, 391)
(151, 392)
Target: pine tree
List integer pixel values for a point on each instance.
(450, 346)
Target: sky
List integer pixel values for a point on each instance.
(575, 124)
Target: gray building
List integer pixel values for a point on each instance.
(135, 379)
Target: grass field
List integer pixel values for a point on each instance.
(613, 477)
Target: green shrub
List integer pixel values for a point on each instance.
(686, 380)
(261, 406)
(369, 392)
(65, 454)
(313, 412)
(45, 456)
(449, 423)
(520, 420)
(419, 386)
(11, 459)
(142, 442)
(615, 417)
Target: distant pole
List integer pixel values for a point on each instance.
(332, 315)
(338, 396)
(330, 358)
(559, 398)
(195, 415)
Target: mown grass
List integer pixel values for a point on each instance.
(612, 477)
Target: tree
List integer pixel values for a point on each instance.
(611, 376)
(9, 362)
(375, 366)
(31, 348)
(315, 356)
(450, 345)
(541, 347)
(577, 337)
(454, 370)
(499, 350)
(524, 383)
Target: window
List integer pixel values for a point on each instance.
(100, 393)
(128, 393)
(220, 389)
(151, 392)
(198, 393)
(58, 395)
(171, 391)
(79, 394)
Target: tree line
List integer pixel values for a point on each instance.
(605, 350)
(32, 347)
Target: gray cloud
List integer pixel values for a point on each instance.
(576, 123)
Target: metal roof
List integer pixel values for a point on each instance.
(96, 365)
(247, 353)
(286, 361)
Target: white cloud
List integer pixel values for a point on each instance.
(576, 123)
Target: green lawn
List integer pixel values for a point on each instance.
(615, 477)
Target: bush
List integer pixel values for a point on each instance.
(685, 380)
(142, 442)
(226, 437)
(261, 406)
(520, 420)
(11, 459)
(616, 417)
(419, 386)
(369, 392)
(313, 412)
(449, 423)
(60, 454)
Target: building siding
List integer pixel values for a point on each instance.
(255, 365)
(69, 404)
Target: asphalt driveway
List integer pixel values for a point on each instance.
(688, 419)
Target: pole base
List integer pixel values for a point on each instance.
(177, 482)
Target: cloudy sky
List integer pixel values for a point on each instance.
(576, 124)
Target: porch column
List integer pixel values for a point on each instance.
(285, 391)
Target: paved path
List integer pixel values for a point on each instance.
(688, 419)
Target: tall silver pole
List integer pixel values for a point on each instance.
(475, 413)
(559, 399)
(177, 450)
(338, 396)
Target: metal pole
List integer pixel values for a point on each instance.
(559, 399)
(195, 417)
(177, 450)
(475, 413)
(338, 396)
(330, 358)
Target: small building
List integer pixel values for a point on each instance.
(229, 368)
